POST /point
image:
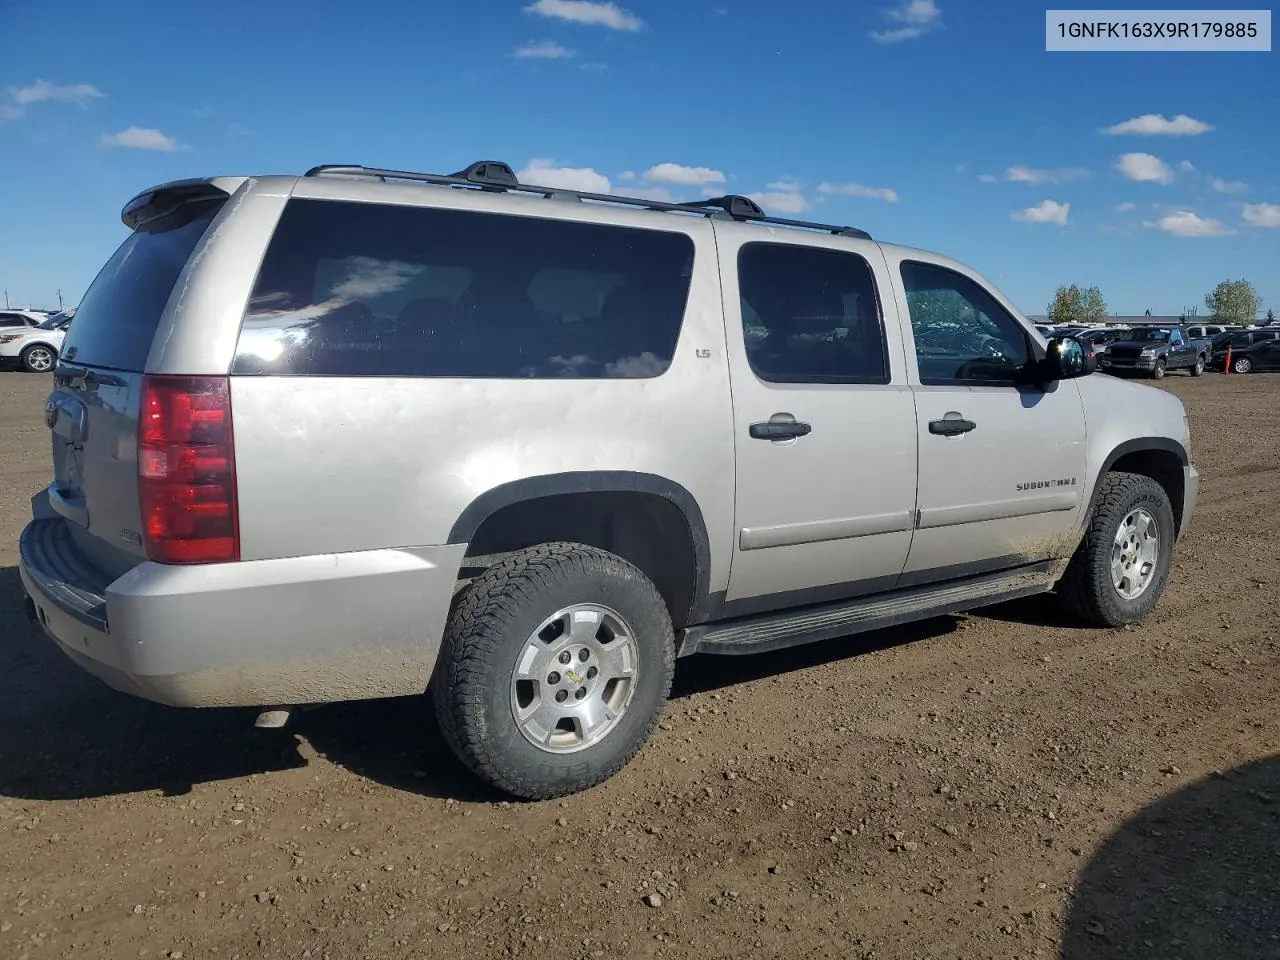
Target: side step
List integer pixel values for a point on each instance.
(789, 628)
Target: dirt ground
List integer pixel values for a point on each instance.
(1002, 785)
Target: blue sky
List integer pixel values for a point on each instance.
(937, 123)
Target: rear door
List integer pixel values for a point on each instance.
(93, 409)
(824, 424)
(1001, 463)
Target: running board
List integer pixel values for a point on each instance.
(789, 628)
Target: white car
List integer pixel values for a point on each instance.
(35, 348)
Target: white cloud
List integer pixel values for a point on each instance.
(140, 138)
(917, 17)
(1188, 223)
(627, 175)
(1023, 174)
(544, 50)
(544, 173)
(1186, 166)
(858, 190)
(781, 201)
(686, 176)
(784, 185)
(988, 177)
(1143, 167)
(1126, 207)
(587, 12)
(1262, 214)
(235, 129)
(42, 91)
(1049, 211)
(1155, 124)
(1218, 185)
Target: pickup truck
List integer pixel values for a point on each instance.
(1155, 351)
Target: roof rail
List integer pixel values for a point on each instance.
(495, 176)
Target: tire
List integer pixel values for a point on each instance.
(39, 358)
(1088, 588)
(1241, 365)
(1198, 369)
(1157, 372)
(495, 634)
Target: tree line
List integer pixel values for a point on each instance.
(1230, 302)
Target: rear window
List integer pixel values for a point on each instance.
(117, 318)
(362, 289)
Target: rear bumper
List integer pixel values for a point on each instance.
(299, 630)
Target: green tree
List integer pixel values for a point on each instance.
(1271, 316)
(1067, 305)
(1095, 308)
(1234, 301)
(1073, 305)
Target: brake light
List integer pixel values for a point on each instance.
(187, 470)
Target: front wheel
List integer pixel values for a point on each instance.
(1121, 567)
(39, 358)
(554, 670)
(1241, 365)
(1157, 372)
(1198, 369)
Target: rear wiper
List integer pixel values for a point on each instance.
(68, 375)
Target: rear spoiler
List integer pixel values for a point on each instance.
(168, 197)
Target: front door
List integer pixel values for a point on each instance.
(824, 420)
(1001, 464)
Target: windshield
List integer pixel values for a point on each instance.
(55, 321)
(1150, 334)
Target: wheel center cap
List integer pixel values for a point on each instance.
(575, 676)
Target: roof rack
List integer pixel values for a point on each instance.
(497, 177)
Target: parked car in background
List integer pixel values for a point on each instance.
(1155, 351)
(35, 348)
(1249, 350)
(1099, 339)
(20, 319)
(1207, 331)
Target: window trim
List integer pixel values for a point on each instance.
(879, 381)
(1019, 379)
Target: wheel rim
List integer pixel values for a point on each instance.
(1242, 366)
(575, 678)
(38, 358)
(1135, 554)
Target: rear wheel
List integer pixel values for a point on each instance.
(1198, 369)
(1241, 365)
(554, 670)
(1157, 372)
(1120, 568)
(39, 358)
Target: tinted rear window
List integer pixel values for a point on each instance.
(117, 318)
(362, 289)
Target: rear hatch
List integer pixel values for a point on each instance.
(92, 411)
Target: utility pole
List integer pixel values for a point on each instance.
(60, 300)
(6, 298)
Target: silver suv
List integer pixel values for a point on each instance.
(366, 433)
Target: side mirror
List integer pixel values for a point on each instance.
(1066, 358)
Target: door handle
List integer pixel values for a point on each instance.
(779, 430)
(951, 426)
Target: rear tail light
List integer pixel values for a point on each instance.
(187, 470)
